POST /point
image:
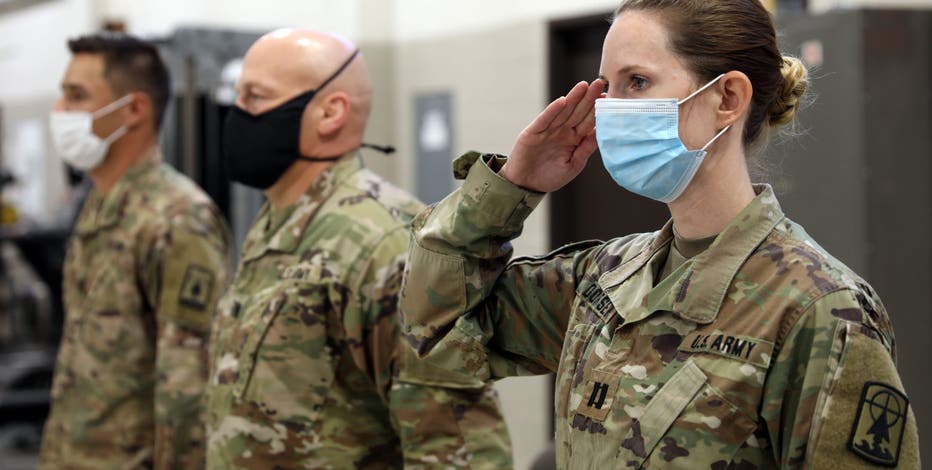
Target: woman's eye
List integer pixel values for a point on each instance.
(638, 83)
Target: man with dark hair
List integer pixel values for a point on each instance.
(146, 262)
(129, 65)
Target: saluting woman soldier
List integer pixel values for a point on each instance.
(728, 338)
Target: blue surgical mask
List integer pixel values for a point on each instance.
(641, 148)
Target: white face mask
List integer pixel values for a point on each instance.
(74, 139)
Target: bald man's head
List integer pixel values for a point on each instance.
(288, 62)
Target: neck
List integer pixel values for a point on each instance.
(125, 153)
(720, 191)
(295, 182)
(299, 177)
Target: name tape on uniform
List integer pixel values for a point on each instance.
(751, 350)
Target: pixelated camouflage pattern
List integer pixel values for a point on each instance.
(132, 364)
(725, 363)
(304, 359)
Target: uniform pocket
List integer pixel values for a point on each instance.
(570, 372)
(286, 363)
(687, 424)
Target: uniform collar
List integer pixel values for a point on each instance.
(696, 290)
(102, 211)
(281, 230)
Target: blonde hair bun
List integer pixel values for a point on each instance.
(791, 97)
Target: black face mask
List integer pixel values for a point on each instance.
(258, 149)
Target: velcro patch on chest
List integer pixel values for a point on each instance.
(303, 272)
(743, 348)
(598, 300)
(598, 395)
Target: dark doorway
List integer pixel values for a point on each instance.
(592, 206)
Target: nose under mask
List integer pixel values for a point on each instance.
(641, 148)
(73, 136)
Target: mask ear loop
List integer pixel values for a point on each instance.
(386, 149)
(704, 87)
(693, 95)
(314, 92)
(716, 137)
(112, 106)
(109, 109)
(338, 72)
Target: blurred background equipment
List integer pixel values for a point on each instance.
(30, 323)
(205, 65)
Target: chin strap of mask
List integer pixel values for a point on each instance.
(320, 159)
(386, 149)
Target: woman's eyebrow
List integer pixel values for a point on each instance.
(629, 69)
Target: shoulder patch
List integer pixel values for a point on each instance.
(196, 287)
(878, 428)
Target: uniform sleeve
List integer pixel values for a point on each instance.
(186, 273)
(464, 306)
(833, 397)
(453, 427)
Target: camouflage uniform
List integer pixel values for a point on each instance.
(761, 352)
(144, 267)
(303, 359)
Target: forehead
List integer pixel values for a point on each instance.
(637, 39)
(86, 70)
(270, 68)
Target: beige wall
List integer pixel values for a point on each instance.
(33, 53)
(382, 120)
(498, 81)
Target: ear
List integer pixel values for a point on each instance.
(334, 112)
(139, 110)
(736, 92)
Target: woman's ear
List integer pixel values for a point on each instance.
(334, 113)
(736, 92)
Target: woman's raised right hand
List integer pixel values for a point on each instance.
(555, 147)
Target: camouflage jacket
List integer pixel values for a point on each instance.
(761, 352)
(144, 268)
(304, 355)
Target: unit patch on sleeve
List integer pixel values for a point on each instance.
(878, 427)
(196, 287)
